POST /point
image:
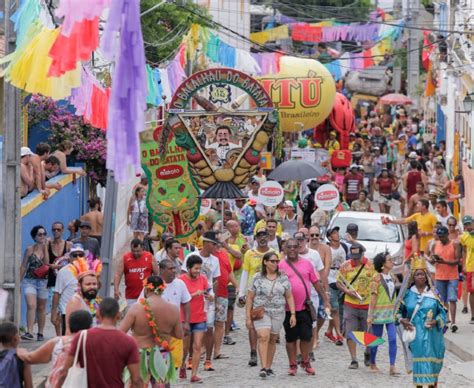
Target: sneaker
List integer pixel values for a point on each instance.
(228, 341)
(366, 358)
(253, 359)
(339, 340)
(190, 364)
(208, 366)
(234, 327)
(330, 336)
(464, 310)
(454, 328)
(308, 368)
(293, 369)
(270, 373)
(354, 365)
(263, 373)
(40, 337)
(182, 373)
(27, 336)
(196, 379)
(311, 356)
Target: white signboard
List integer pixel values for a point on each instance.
(327, 197)
(306, 154)
(270, 193)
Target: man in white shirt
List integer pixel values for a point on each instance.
(211, 270)
(176, 291)
(314, 258)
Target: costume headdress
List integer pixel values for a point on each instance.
(86, 266)
(150, 286)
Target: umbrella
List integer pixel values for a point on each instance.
(296, 170)
(395, 99)
(365, 339)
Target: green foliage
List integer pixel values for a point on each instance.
(164, 27)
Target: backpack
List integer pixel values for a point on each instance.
(9, 372)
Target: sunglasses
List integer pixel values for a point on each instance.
(315, 235)
(274, 261)
(76, 255)
(292, 246)
(41, 234)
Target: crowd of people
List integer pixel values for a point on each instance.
(290, 273)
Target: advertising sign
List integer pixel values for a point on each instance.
(327, 197)
(270, 193)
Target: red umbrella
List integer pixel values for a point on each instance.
(395, 99)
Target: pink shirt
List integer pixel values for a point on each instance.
(306, 270)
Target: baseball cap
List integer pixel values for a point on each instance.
(442, 231)
(356, 251)
(352, 227)
(252, 202)
(288, 203)
(352, 134)
(467, 220)
(25, 151)
(299, 236)
(166, 236)
(85, 224)
(412, 155)
(210, 236)
(261, 232)
(77, 248)
(332, 230)
(353, 166)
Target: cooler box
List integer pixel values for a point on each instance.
(341, 158)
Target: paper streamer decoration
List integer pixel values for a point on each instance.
(128, 95)
(26, 14)
(74, 11)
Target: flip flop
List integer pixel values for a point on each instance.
(221, 357)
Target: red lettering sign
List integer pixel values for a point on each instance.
(169, 172)
(326, 195)
(270, 191)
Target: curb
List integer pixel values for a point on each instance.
(458, 351)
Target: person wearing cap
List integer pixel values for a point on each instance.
(65, 288)
(446, 256)
(353, 279)
(362, 204)
(251, 265)
(352, 232)
(332, 144)
(290, 221)
(467, 243)
(27, 179)
(380, 161)
(247, 216)
(89, 243)
(35, 165)
(426, 222)
(353, 183)
(211, 270)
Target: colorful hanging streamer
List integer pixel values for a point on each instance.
(26, 14)
(74, 11)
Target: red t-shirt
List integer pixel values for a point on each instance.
(385, 185)
(353, 182)
(196, 305)
(108, 352)
(226, 269)
(135, 271)
(413, 177)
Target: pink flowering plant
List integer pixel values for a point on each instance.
(89, 142)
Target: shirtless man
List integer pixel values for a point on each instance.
(166, 318)
(26, 172)
(326, 256)
(95, 218)
(420, 194)
(42, 153)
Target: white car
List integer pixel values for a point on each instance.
(374, 236)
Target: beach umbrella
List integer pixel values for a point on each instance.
(365, 339)
(395, 99)
(296, 170)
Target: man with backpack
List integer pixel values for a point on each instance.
(13, 372)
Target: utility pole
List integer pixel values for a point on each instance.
(413, 57)
(10, 237)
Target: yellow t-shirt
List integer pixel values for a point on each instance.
(467, 241)
(253, 262)
(263, 224)
(426, 223)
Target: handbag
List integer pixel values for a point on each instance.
(41, 272)
(410, 335)
(77, 376)
(257, 313)
(308, 302)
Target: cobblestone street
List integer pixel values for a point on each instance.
(331, 368)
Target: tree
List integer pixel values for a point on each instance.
(164, 27)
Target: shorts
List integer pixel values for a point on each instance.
(36, 287)
(177, 352)
(334, 297)
(316, 304)
(385, 199)
(303, 330)
(469, 287)
(211, 314)
(222, 304)
(198, 327)
(448, 290)
(272, 321)
(354, 319)
(232, 297)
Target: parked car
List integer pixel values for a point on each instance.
(374, 236)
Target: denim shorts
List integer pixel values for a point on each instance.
(198, 327)
(448, 290)
(334, 298)
(36, 287)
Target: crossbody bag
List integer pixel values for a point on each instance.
(308, 303)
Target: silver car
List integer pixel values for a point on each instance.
(374, 236)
